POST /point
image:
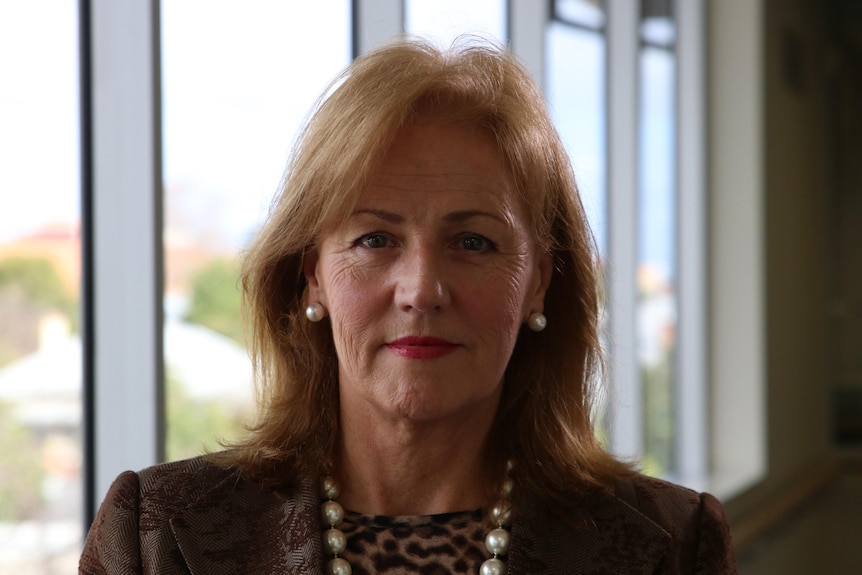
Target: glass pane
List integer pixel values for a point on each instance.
(444, 20)
(41, 516)
(657, 25)
(656, 274)
(576, 89)
(237, 84)
(586, 13)
(576, 92)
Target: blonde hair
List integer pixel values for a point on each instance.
(544, 418)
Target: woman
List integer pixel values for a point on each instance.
(423, 306)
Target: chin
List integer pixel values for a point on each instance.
(418, 407)
(420, 410)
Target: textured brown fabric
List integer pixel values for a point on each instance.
(193, 517)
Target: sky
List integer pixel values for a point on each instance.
(237, 85)
(39, 173)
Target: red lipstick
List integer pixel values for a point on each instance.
(422, 347)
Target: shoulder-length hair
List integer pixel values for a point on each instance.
(544, 417)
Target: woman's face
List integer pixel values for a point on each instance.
(429, 279)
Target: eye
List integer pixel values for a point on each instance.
(374, 240)
(476, 243)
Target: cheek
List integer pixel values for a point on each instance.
(353, 303)
(341, 283)
(501, 309)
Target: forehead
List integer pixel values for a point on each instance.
(439, 162)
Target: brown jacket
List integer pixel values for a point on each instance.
(193, 517)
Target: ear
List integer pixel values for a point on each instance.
(545, 269)
(309, 268)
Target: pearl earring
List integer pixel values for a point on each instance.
(537, 321)
(315, 312)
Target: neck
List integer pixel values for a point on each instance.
(398, 467)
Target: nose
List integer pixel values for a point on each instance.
(421, 281)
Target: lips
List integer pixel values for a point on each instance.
(422, 347)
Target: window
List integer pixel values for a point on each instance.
(657, 308)
(576, 90)
(230, 112)
(40, 343)
(612, 81)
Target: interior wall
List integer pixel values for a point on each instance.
(820, 537)
(807, 239)
(799, 261)
(846, 118)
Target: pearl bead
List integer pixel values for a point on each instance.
(493, 566)
(334, 541)
(497, 542)
(315, 312)
(333, 513)
(508, 488)
(501, 513)
(338, 566)
(329, 487)
(537, 321)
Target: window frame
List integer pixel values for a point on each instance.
(121, 215)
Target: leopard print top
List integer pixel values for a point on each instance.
(426, 544)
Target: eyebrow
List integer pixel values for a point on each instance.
(452, 218)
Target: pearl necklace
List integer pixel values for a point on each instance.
(335, 542)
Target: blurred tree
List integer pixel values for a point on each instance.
(37, 280)
(20, 471)
(215, 299)
(659, 428)
(196, 426)
(29, 289)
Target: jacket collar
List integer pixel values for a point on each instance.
(234, 527)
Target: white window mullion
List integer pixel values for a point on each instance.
(691, 405)
(377, 21)
(737, 345)
(126, 238)
(527, 22)
(626, 425)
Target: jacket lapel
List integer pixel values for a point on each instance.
(237, 528)
(610, 537)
